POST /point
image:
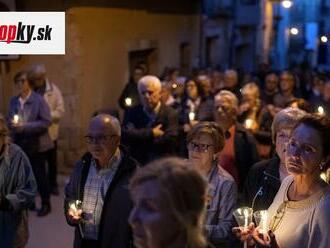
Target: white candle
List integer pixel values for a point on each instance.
(128, 101)
(320, 110)
(192, 116)
(248, 123)
(16, 119)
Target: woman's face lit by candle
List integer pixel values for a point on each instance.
(304, 152)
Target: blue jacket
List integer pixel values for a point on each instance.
(36, 119)
(17, 191)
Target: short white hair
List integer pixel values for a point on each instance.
(150, 80)
(231, 97)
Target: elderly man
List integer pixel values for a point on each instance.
(97, 200)
(54, 99)
(239, 152)
(150, 130)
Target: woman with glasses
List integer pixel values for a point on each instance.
(17, 191)
(299, 214)
(205, 141)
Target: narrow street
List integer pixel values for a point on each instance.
(51, 231)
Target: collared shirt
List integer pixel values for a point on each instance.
(96, 187)
(23, 101)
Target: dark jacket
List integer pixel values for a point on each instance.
(114, 230)
(34, 137)
(137, 133)
(263, 182)
(246, 153)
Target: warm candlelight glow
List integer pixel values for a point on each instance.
(320, 110)
(192, 116)
(248, 123)
(174, 86)
(128, 101)
(15, 119)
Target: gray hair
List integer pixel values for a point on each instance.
(38, 69)
(150, 80)
(228, 95)
(286, 119)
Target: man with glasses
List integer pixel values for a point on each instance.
(239, 152)
(150, 130)
(100, 183)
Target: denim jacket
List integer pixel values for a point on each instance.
(221, 202)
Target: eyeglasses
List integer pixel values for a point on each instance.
(101, 139)
(192, 146)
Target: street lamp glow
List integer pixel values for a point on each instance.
(287, 4)
(294, 31)
(324, 39)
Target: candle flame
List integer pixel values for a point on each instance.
(320, 110)
(15, 119)
(128, 101)
(192, 116)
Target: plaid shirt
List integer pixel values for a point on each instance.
(96, 187)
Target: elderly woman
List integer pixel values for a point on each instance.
(205, 141)
(17, 191)
(265, 177)
(299, 214)
(169, 200)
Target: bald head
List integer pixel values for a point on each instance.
(103, 137)
(105, 123)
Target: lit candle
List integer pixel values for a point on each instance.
(320, 110)
(75, 205)
(192, 116)
(248, 123)
(16, 119)
(323, 176)
(128, 101)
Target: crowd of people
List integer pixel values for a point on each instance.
(187, 153)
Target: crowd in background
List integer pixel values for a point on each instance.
(259, 140)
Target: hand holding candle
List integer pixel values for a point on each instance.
(16, 119)
(75, 209)
(261, 218)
